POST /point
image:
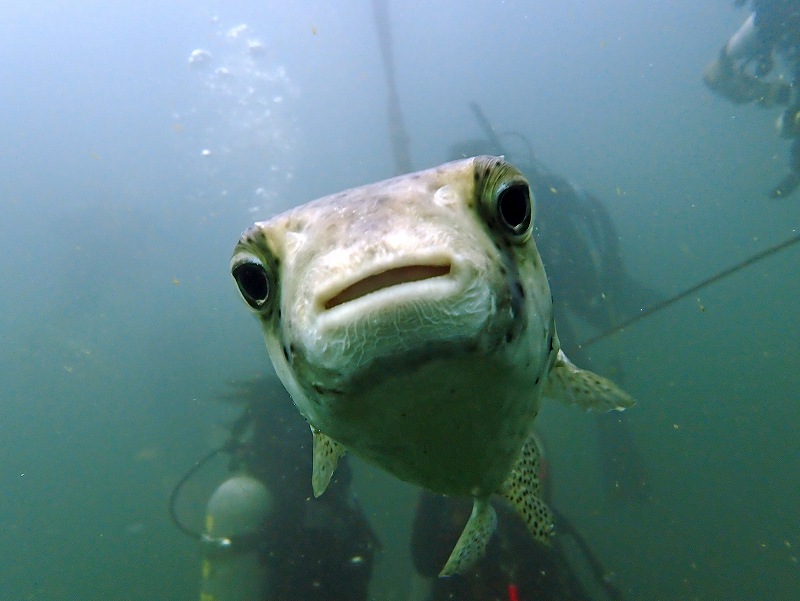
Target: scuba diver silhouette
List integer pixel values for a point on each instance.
(741, 72)
(580, 249)
(266, 537)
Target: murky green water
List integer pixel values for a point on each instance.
(120, 324)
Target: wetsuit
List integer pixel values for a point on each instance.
(318, 549)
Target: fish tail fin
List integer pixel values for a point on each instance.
(472, 543)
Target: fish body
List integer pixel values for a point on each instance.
(411, 321)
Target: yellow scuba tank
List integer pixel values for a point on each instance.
(232, 567)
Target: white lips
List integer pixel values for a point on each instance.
(384, 279)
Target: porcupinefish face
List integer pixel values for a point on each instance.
(410, 319)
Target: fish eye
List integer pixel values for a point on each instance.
(513, 205)
(253, 281)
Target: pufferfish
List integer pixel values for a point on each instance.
(412, 324)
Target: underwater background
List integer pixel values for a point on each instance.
(128, 171)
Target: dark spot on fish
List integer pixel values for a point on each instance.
(520, 290)
(509, 337)
(286, 354)
(320, 389)
(550, 344)
(536, 381)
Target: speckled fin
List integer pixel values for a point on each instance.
(523, 490)
(326, 455)
(570, 384)
(472, 543)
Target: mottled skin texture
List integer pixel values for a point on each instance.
(437, 381)
(411, 321)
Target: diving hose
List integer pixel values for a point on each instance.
(646, 312)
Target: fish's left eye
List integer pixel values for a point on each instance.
(514, 209)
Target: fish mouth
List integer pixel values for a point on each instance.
(387, 278)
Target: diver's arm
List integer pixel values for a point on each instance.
(723, 77)
(730, 80)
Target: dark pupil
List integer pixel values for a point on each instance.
(252, 280)
(514, 207)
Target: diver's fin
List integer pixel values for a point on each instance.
(570, 384)
(788, 185)
(523, 490)
(472, 543)
(326, 455)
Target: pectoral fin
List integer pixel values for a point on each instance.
(472, 543)
(570, 384)
(326, 455)
(523, 489)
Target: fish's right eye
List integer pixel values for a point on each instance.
(253, 281)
